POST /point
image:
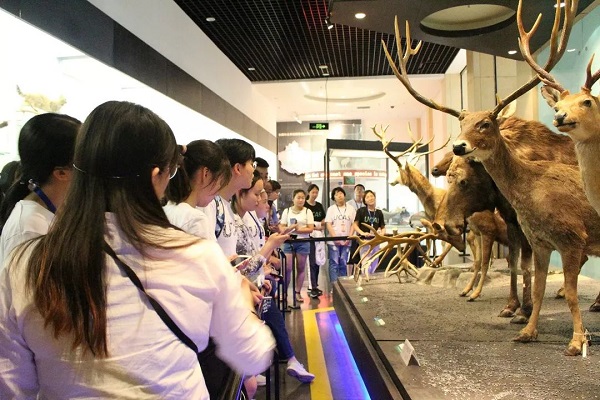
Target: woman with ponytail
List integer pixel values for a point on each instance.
(46, 145)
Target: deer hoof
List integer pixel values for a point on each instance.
(595, 307)
(464, 293)
(574, 349)
(519, 319)
(560, 294)
(525, 337)
(506, 313)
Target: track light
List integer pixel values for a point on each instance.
(328, 22)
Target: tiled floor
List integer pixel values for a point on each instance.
(317, 339)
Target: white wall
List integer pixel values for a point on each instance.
(165, 27)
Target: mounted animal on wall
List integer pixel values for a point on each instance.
(38, 103)
(549, 198)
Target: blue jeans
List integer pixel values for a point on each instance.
(274, 320)
(338, 259)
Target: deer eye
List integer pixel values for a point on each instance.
(484, 126)
(587, 103)
(463, 182)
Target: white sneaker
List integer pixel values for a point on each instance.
(261, 380)
(296, 370)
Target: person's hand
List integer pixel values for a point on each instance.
(277, 239)
(274, 262)
(289, 229)
(266, 286)
(256, 294)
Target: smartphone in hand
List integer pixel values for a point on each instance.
(239, 261)
(263, 306)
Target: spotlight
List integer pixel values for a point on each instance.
(328, 22)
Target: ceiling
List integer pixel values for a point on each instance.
(280, 46)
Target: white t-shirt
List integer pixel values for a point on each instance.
(227, 239)
(194, 284)
(341, 219)
(27, 220)
(189, 219)
(303, 218)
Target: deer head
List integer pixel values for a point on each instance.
(479, 129)
(577, 115)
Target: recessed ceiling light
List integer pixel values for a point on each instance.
(323, 66)
(211, 19)
(360, 15)
(325, 73)
(562, 4)
(511, 52)
(571, 50)
(251, 69)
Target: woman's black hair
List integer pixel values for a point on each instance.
(311, 187)
(255, 178)
(295, 192)
(275, 185)
(118, 148)
(46, 141)
(198, 154)
(237, 151)
(367, 192)
(335, 190)
(11, 173)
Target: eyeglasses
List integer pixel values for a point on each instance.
(173, 173)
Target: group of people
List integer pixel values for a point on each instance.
(307, 217)
(89, 249)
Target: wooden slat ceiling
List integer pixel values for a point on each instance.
(289, 40)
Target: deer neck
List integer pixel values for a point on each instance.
(425, 191)
(510, 174)
(587, 156)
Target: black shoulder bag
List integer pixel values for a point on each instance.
(221, 381)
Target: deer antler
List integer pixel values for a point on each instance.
(410, 239)
(591, 79)
(385, 143)
(402, 74)
(556, 48)
(421, 154)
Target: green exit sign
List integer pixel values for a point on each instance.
(320, 126)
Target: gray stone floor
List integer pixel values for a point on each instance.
(466, 351)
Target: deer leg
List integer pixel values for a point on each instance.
(525, 311)
(542, 260)
(571, 265)
(487, 241)
(596, 306)
(476, 264)
(438, 261)
(513, 259)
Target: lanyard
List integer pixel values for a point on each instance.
(258, 226)
(34, 187)
(371, 217)
(341, 213)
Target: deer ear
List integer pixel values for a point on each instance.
(507, 112)
(551, 95)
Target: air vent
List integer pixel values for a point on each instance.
(363, 107)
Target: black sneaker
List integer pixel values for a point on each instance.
(313, 294)
(319, 291)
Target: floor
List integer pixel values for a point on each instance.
(319, 344)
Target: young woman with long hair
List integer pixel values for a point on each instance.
(74, 325)
(251, 240)
(46, 145)
(204, 171)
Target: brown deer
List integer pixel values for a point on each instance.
(431, 197)
(472, 195)
(577, 115)
(549, 198)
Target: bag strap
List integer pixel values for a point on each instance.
(157, 307)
